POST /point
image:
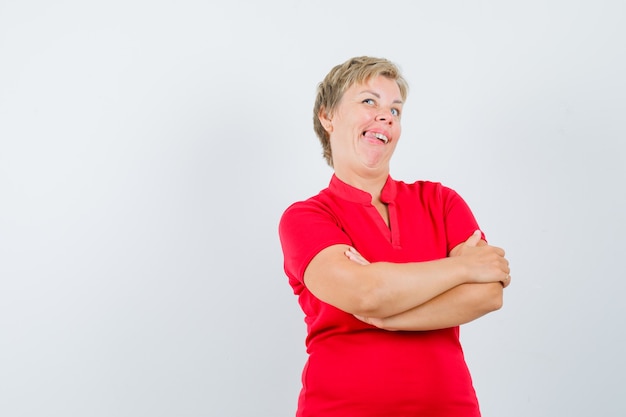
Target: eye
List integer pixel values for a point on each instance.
(369, 101)
(395, 112)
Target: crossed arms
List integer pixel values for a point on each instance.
(412, 296)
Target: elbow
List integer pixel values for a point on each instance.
(367, 304)
(488, 299)
(497, 304)
(496, 297)
(369, 299)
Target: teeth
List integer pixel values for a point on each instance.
(381, 137)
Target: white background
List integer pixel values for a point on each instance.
(148, 149)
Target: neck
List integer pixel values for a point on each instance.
(372, 184)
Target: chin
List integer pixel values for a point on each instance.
(376, 165)
(375, 161)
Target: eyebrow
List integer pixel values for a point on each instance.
(375, 94)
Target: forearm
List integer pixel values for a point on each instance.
(457, 306)
(393, 288)
(341, 277)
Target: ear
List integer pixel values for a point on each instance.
(325, 120)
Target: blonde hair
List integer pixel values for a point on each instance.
(355, 70)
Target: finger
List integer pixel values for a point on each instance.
(474, 238)
(355, 257)
(359, 256)
(371, 321)
(506, 281)
(498, 251)
(362, 318)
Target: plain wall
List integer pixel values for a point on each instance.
(148, 149)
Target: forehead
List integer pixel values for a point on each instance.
(380, 85)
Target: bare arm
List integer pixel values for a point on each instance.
(384, 289)
(460, 305)
(457, 306)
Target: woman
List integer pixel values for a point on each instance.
(385, 271)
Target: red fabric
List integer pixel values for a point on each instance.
(355, 369)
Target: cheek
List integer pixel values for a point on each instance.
(363, 120)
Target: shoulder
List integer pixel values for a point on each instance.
(426, 190)
(306, 227)
(314, 210)
(315, 204)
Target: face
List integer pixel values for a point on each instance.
(365, 127)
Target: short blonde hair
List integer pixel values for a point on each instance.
(355, 70)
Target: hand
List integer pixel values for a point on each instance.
(485, 263)
(371, 321)
(355, 256)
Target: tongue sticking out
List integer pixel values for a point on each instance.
(375, 135)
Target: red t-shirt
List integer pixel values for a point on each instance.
(355, 369)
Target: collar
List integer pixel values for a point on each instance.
(356, 195)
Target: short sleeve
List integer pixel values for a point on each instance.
(305, 229)
(459, 221)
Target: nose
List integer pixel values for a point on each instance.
(384, 116)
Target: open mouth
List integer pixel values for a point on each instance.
(384, 139)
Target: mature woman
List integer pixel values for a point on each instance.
(385, 271)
